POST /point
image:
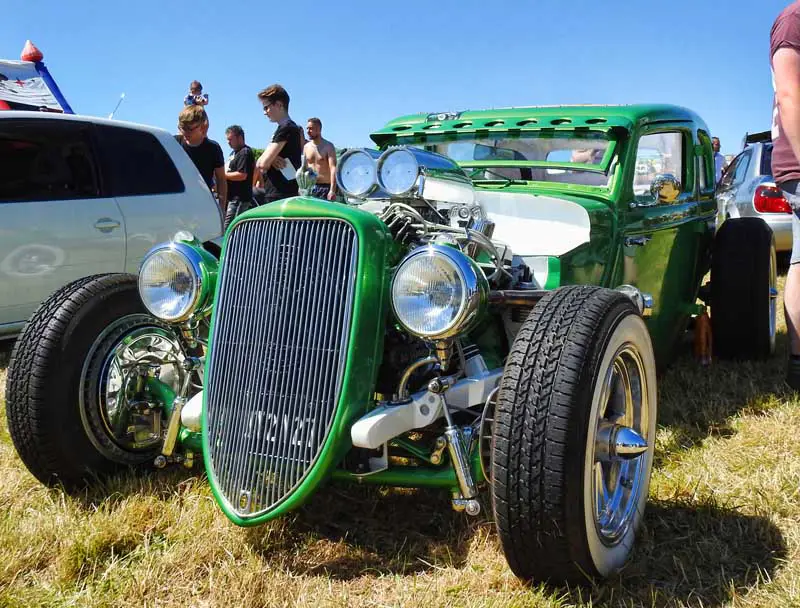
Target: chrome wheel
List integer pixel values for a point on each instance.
(114, 378)
(619, 442)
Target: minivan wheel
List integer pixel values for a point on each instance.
(77, 400)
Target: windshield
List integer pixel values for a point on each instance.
(586, 154)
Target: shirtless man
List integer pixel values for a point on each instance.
(321, 157)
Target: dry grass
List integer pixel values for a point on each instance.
(722, 527)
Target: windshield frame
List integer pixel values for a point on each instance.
(607, 166)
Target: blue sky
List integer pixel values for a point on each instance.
(358, 64)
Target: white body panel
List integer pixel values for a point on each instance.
(535, 225)
(47, 244)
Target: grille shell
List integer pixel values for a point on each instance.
(277, 358)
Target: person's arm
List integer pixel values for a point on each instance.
(786, 67)
(237, 171)
(332, 167)
(222, 187)
(266, 159)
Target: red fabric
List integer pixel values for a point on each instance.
(4, 105)
(31, 53)
(785, 34)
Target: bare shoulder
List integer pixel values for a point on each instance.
(327, 148)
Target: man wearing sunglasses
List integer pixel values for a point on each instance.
(206, 154)
(281, 158)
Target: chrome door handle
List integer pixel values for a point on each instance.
(106, 224)
(637, 241)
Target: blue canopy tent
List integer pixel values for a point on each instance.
(28, 85)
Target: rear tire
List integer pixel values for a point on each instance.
(69, 382)
(744, 290)
(563, 507)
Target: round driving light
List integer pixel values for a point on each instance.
(356, 173)
(397, 171)
(170, 282)
(437, 292)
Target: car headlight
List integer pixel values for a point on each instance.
(438, 292)
(175, 281)
(356, 172)
(398, 171)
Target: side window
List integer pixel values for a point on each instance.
(658, 154)
(766, 160)
(726, 181)
(38, 163)
(741, 168)
(135, 163)
(705, 169)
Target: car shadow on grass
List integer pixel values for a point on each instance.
(5, 353)
(690, 555)
(345, 532)
(698, 402)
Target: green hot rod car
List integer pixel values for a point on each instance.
(484, 315)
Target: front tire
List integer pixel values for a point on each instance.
(568, 496)
(75, 385)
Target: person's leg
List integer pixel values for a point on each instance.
(235, 207)
(791, 298)
(321, 191)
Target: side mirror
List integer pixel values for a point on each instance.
(665, 189)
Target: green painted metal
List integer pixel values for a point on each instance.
(671, 265)
(209, 269)
(166, 396)
(365, 346)
(414, 477)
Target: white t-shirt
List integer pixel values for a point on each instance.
(719, 163)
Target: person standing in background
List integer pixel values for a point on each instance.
(239, 173)
(320, 155)
(719, 160)
(281, 158)
(195, 96)
(205, 153)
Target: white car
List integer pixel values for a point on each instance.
(81, 196)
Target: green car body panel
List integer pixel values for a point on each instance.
(673, 260)
(661, 249)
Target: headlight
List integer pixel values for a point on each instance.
(356, 172)
(438, 292)
(173, 281)
(398, 171)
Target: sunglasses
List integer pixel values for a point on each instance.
(267, 106)
(188, 129)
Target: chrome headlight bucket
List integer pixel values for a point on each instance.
(356, 173)
(438, 292)
(176, 280)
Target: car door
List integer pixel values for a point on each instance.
(725, 193)
(742, 195)
(56, 224)
(150, 190)
(663, 239)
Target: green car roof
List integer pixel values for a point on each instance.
(529, 119)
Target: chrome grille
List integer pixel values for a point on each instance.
(277, 356)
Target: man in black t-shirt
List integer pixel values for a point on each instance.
(205, 153)
(239, 173)
(281, 158)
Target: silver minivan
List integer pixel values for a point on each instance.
(82, 196)
(747, 189)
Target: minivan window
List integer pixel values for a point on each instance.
(766, 160)
(42, 164)
(135, 163)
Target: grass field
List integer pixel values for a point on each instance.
(722, 526)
